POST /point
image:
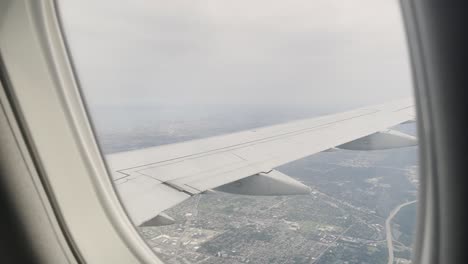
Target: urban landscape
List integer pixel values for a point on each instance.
(362, 207)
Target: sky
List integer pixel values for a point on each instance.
(216, 52)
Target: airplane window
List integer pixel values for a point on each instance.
(231, 132)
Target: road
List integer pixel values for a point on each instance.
(333, 243)
(388, 228)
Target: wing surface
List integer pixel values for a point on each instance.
(154, 179)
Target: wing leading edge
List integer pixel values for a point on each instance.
(152, 180)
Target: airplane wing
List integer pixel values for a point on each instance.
(154, 179)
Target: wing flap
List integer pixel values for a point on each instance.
(144, 197)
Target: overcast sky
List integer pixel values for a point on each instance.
(320, 52)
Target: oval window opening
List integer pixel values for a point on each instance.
(254, 131)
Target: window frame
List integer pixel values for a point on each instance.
(44, 94)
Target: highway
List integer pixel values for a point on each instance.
(388, 228)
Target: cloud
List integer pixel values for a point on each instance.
(322, 52)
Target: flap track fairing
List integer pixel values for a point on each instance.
(270, 183)
(381, 140)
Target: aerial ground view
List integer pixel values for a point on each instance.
(362, 207)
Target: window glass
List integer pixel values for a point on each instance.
(156, 73)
